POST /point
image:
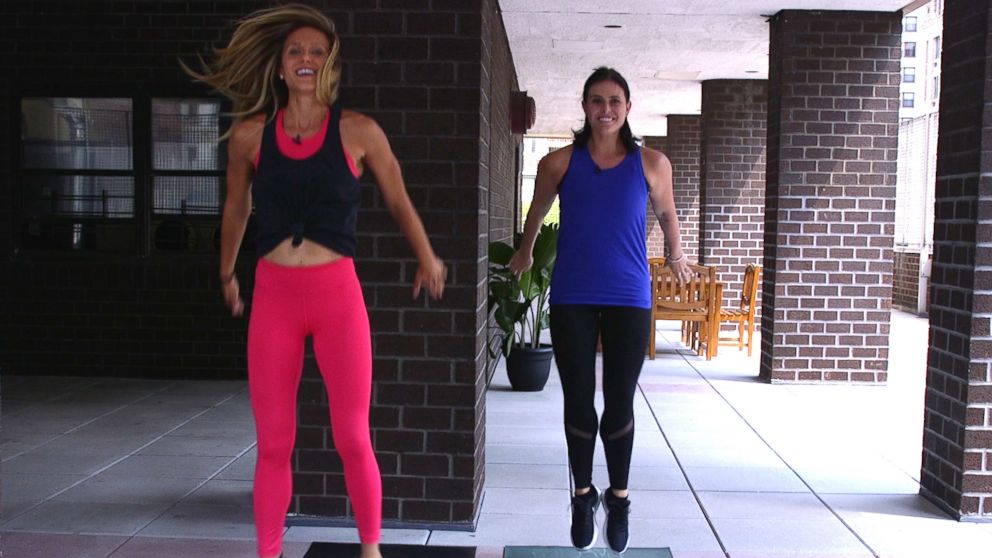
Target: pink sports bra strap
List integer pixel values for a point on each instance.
(307, 147)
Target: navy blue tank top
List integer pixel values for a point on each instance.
(315, 198)
(602, 253)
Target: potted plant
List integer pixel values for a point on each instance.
(520, 309)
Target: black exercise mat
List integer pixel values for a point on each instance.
(569, 552)
(352, 550)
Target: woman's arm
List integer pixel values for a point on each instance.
(374, 151)
(241, 148)
(658, 172)
(550, 171)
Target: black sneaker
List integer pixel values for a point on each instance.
(617, 514)
(584, 531)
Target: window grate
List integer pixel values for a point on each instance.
(90, 181)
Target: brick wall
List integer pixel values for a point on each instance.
(957, 436)
(732, 178)
(420, 70)
(681, 145)
(500, 176)
(830, 202)
(7, 47)
(118, 317)
(906, 280)
(98, 314)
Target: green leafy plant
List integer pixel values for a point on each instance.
(521, 304)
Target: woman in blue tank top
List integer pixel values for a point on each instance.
(601, 287)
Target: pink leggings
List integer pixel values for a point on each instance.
(290, 303)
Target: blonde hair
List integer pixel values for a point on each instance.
(245, 71)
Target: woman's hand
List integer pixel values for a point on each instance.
(431, 276)
(232, 295)
(680, 268)
(520, 262)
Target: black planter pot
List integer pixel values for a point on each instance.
(528, 368)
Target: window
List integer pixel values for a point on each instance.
(908, 100)
(936, 91)
(936, 51)
(76, 169)
(909, 49)
(184, 133)
(83, 183)
(909, 74)
(909, 24)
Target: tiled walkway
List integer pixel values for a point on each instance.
(723, 465)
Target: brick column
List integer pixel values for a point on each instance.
(653, 236)
(417, 72)
(732, 178)
(833, 99)
(957, 437)
(681, 145)
(660, 143)
(6, 172)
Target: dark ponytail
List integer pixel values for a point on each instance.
(603, 73)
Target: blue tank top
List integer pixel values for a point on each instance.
(602, 254)
(316, 197)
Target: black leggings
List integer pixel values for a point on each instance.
(625, 331)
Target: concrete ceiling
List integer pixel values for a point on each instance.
(665, 49)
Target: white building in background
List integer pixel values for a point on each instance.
(921, 46)
(917, 162)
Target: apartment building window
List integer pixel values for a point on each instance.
(909, 24)
(936, 51)
(908, 100)
(909, 49)
(936, 90)
(119, 174)
(909, 74)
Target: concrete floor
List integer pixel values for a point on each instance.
(723, 466)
